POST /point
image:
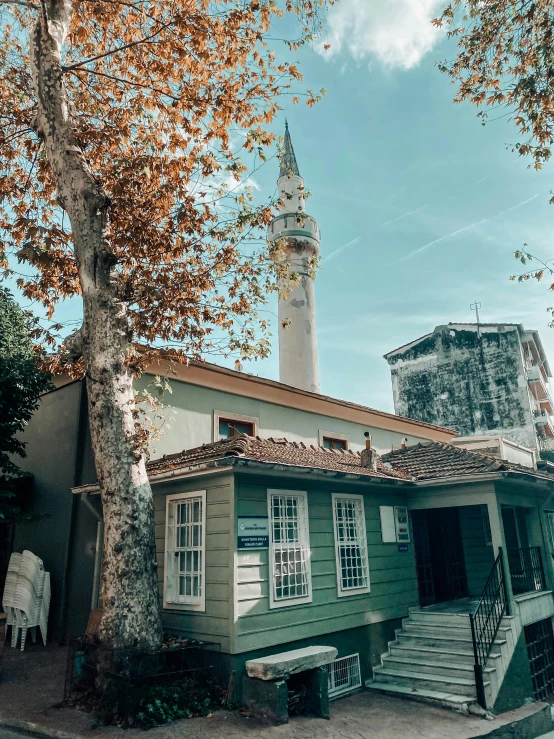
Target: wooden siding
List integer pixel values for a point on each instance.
(214, 623)
(478, 554)
(392, 577)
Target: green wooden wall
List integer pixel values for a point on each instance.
(214, 623)
(392, 574)
(478, 555)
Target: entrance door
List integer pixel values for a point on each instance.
(439, 555)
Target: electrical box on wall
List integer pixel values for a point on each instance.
(395, 527)
(401, 524)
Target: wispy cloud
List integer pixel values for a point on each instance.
(429, 244)
(395, 33)
(404, 215)
(338, 251)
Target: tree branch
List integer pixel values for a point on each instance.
(121, 48)
(25, 4)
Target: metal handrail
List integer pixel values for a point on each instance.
(485, 621)
(526, 570)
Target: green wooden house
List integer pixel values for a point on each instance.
(266, 546)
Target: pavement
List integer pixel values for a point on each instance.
(32, 687)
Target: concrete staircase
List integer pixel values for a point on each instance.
(432, 660)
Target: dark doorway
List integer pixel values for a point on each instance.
(441, 572)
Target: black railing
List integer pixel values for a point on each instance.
(485, 621)
(526, 570)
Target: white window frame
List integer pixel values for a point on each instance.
(334, 435)
(361, 542)
(304, 540)
(233, 417)
(487, 533)
(169, 600)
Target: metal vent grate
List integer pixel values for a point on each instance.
(344, 675)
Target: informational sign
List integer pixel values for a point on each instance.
(402, 525)
(402, 547)
(388, 525)
(253, 532)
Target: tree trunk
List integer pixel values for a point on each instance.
(129, 578)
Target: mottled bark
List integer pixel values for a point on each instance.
(129, 581)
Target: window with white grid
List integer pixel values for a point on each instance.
(289, 548)
(344, 675)
(350, 544)
(185, 570)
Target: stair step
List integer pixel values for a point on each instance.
(435, 653)
(455, 685)
(437, 617)
(437, 697)
(446, 619)
(416, 627)
(433, 667)
(431, 640)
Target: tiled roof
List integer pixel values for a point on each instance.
(273, 451)
(425, 461)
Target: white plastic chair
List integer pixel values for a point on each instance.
(30, 601)
(9, 588)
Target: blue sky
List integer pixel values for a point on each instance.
(419, 206)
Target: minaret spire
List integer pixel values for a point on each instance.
(300, 235)
(289, 165)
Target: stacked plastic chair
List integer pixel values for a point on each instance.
(9, 588)
(28, 602)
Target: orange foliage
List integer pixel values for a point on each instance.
(506, 58)
(164, 96)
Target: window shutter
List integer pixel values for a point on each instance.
(170, 580)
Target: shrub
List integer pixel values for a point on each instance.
(148, 705)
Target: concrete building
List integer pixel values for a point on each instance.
(299, 233)
(479, 379)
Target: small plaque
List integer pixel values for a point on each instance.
(402, 547)
(253, 532)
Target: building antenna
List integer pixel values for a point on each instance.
(475, 306)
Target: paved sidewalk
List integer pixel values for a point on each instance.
(32, 682)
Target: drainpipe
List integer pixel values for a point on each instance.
(82, 420)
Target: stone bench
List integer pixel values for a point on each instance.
(265, 689)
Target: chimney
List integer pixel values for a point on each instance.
(369, 455)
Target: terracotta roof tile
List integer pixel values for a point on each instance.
(430, 460)
(275, 451)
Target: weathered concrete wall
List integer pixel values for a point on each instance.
(517, 686)
(468, 381)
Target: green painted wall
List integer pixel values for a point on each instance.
(51, 439)
(478, 555)
(517, 686)
(392, 574)
(214, 623)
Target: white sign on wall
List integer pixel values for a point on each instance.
(253, 532)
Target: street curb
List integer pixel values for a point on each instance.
(529, 727)
(28, 729)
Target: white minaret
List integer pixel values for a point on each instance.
(297, 335)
